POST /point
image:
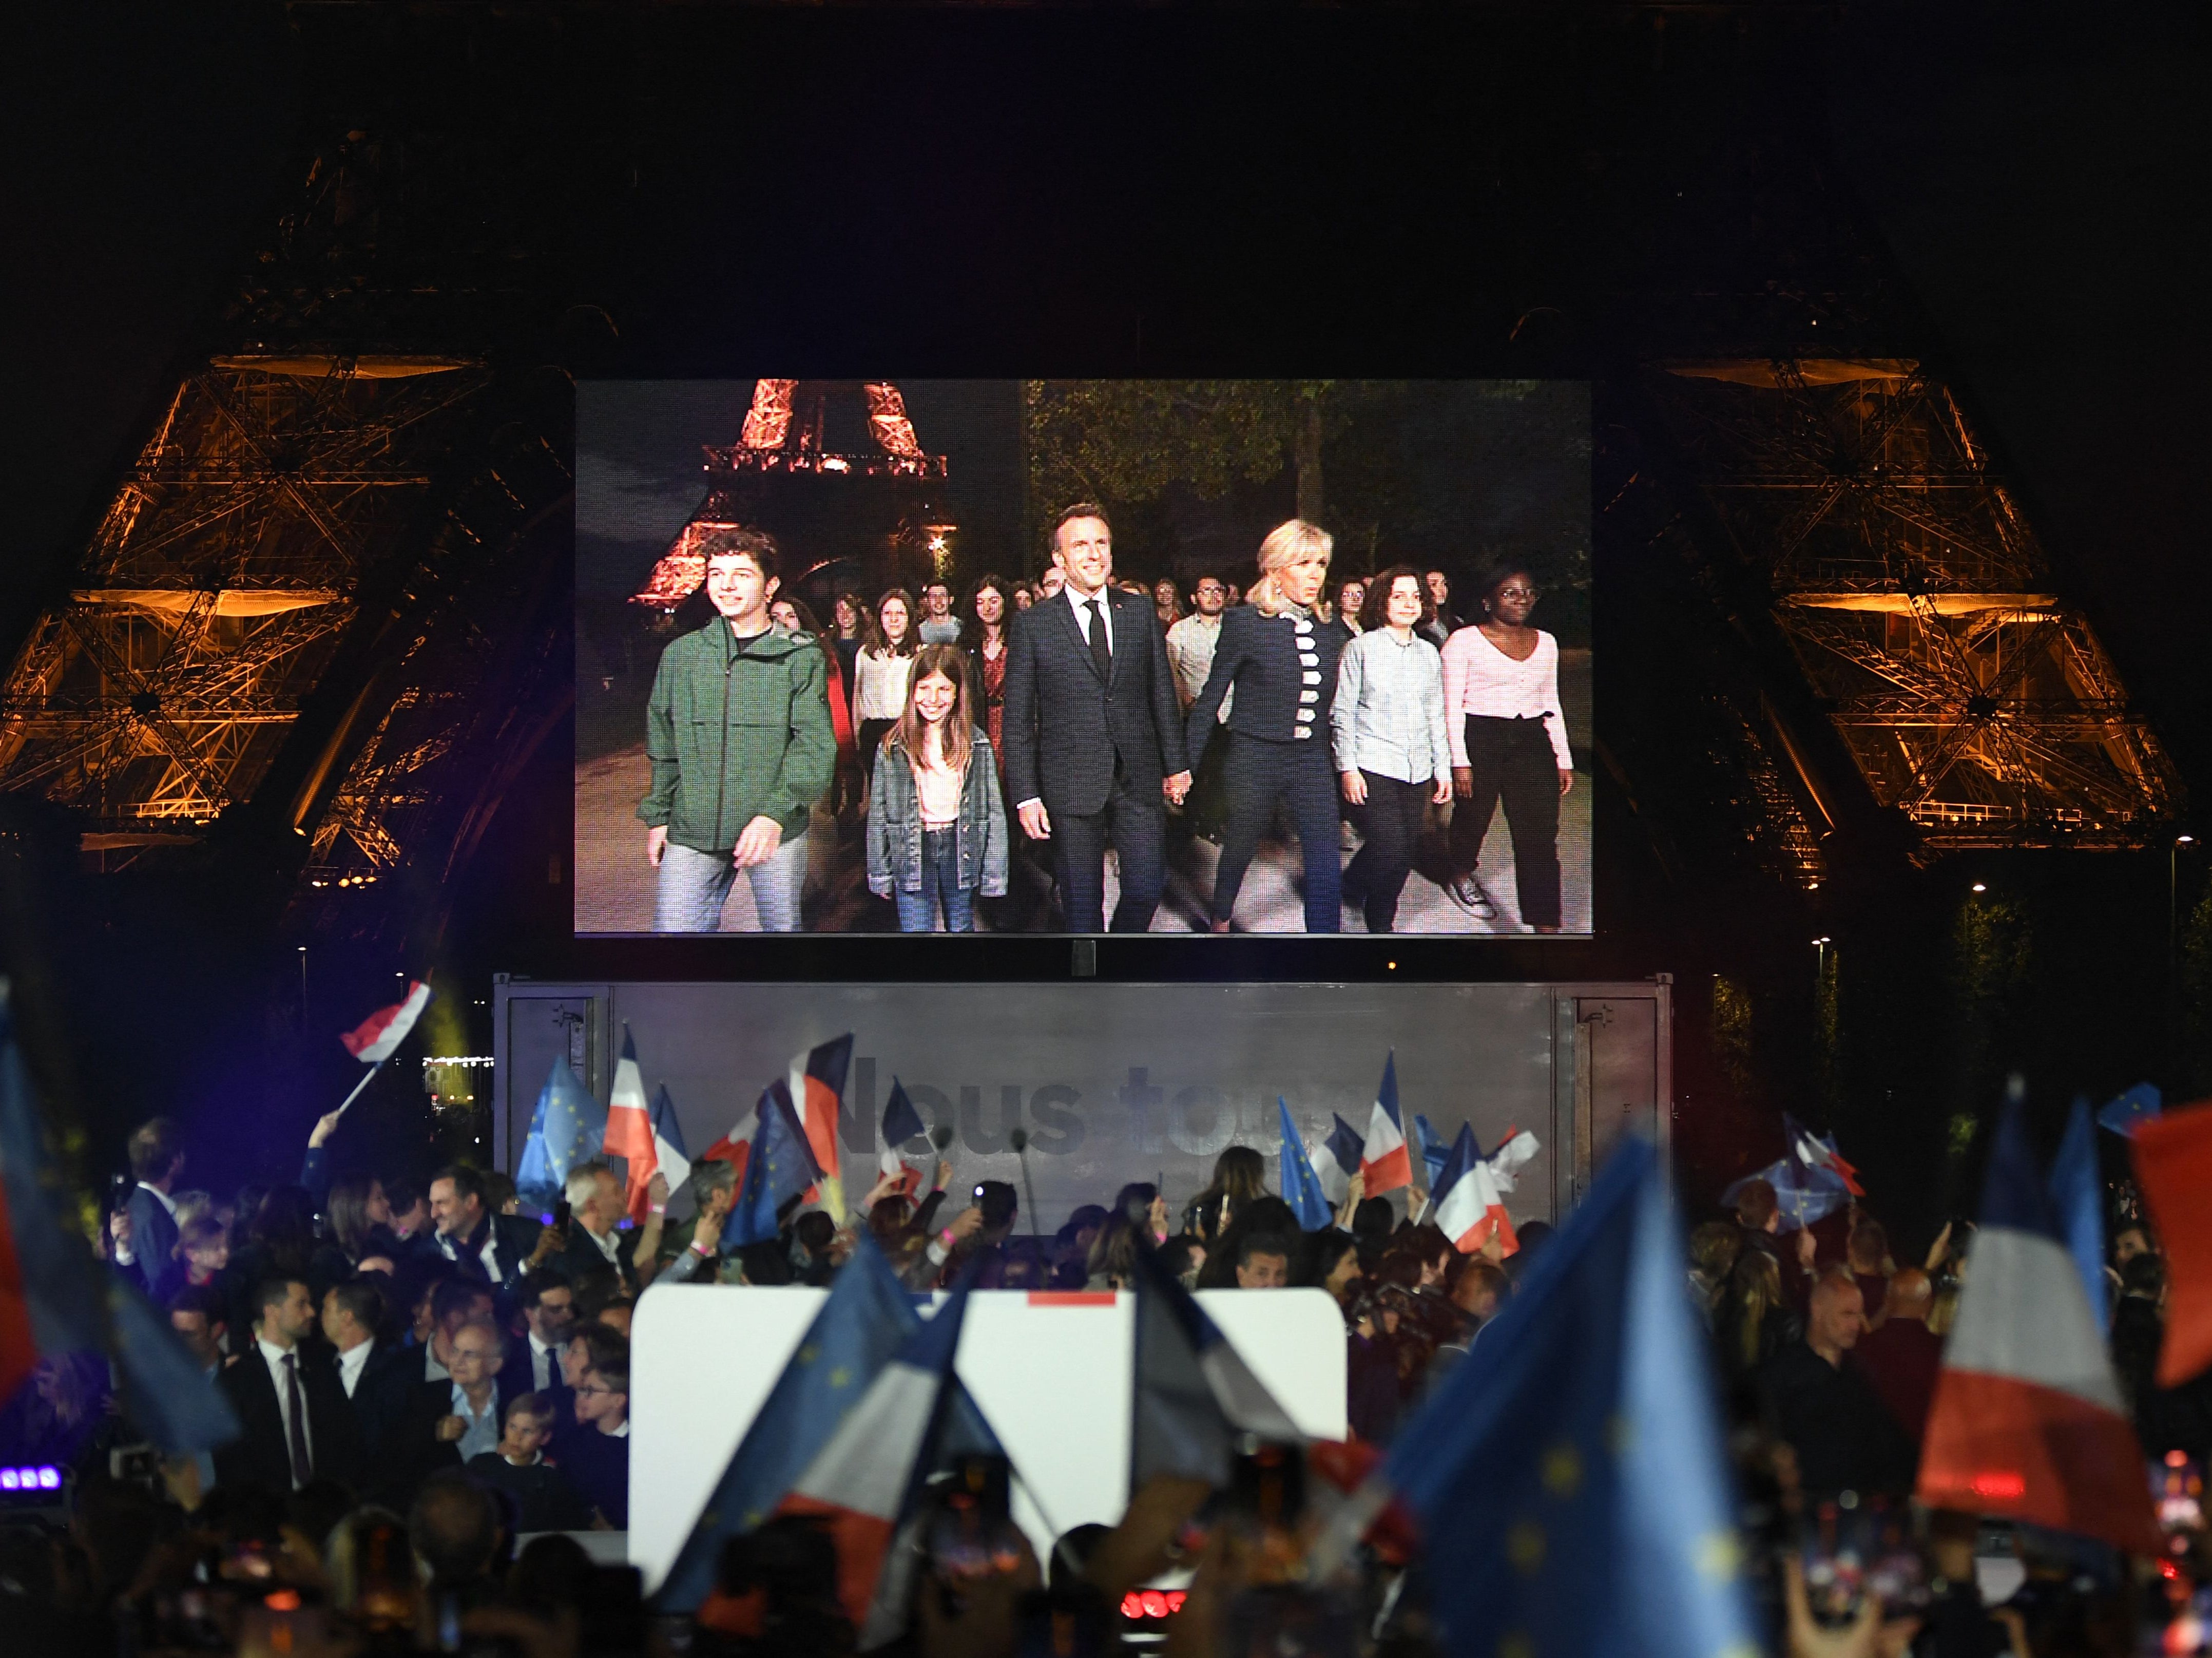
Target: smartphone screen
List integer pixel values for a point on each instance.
(561, 1213)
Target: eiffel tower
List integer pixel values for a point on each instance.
(874, 511)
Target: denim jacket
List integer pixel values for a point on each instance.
(895, 824)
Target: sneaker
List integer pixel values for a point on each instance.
(1468, 894)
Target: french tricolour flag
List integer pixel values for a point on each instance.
(373, 1040)
(646, 1137)
(812, 1089)
(2027, 1421)
(901, 1123)
(1469, 1210)
(1336, 1160)
(866, 1483)
(1809, 1151)
(1384, 1160)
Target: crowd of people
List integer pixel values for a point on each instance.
(433, 1394)
(1059, 718)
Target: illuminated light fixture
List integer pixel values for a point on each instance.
(1980, 887)
(1139, 1603)
(43, 1478)
(1824, 939)
(1998, 1484)
(2185, 840)
(835, 463)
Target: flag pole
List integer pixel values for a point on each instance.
(358, 1086)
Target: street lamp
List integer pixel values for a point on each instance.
(1980, 887)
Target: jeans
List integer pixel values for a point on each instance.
(1512, 760)
(1390, 827)
(693, 887)
(1257, 774)
(940, 884)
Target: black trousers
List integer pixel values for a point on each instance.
(1389, 827)
(1512, 760)
(1256, 775)
(1135, 823)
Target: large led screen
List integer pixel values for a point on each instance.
(1077, 656)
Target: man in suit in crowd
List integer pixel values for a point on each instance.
(145, 1230)
(547, 1304)
(374, 1375)
(297, 1425)
(494, 1249)
(441, 1423)
(1093, 730)
(595, 1205)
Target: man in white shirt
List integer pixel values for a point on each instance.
(295, 1422)
(595, 1203)
(350, 1326)
(145, 1230)
(549, 1314)
(499, 1248)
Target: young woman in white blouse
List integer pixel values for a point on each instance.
(882, 670)
(1508, 742)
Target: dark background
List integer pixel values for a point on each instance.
(2011, 192)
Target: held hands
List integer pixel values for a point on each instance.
(1354, 787)
(1462, 782)
(758, 844)
(1566, 781)
(325, 1126)
(656, 843)
(1176, 788)
(1442, 791)
(1035, 823)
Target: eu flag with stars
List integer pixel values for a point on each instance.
(566, 1129)
(780, 1168)
(866, 1318)
(1567, 1475)
(1301, 1186)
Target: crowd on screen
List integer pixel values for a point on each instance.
(426, 1378)
(1056, 719)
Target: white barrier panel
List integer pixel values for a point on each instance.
(1051, 1372)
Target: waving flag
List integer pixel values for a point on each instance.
(1468, 1209)
(1568, 1474)
(1193, 1393)
(629, 1127)
(1809, 1152)
(565, 1130)
(56, 1299)
(2028, 1422)
(669, 1157)
(781, 1168)
(736, 1147)
(1383, 1159)
(2077, 1197)
(2173, 1163)
(866, 1481)
(867, 1317)
(901, 1123)
(2131, 1111)
(814, 1088)
(373, 1040)
(1431, 1150)
(1336, 1160)
(1515, 1154)
(1301, 1186)
(1802, 1196)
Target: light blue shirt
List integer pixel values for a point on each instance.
(481, 1433)
(1388, 717)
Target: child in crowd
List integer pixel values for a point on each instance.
(543, 1498)
(205, 1242)
(937, 832)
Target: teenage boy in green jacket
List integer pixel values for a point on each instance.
(739, 733)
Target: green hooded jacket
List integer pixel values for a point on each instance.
(737, 729)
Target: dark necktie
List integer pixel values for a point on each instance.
(296, 1411)
(1102, 653)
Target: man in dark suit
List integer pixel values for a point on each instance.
(1094, 730)
(296, 1422)
(441, 1423)
(494, 1249)
(547, 1305)
(145, 1230)
(594, 1246)
(376, 1375)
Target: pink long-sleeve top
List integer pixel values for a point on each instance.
(1481, 678)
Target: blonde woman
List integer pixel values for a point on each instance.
(1282, 664)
